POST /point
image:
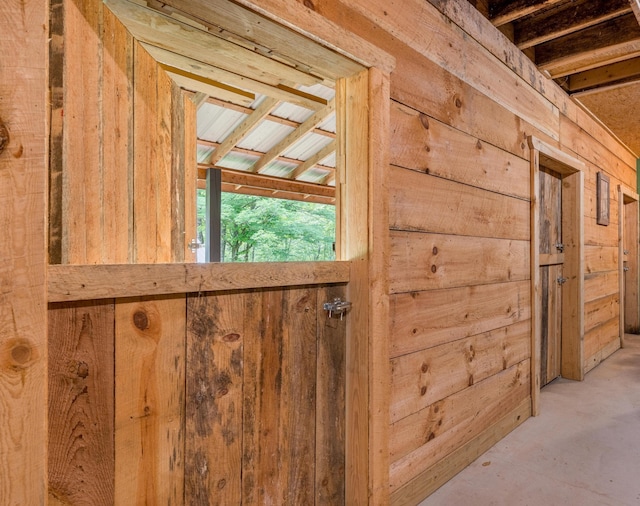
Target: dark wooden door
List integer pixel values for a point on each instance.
(551, 274)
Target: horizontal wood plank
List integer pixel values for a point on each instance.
(421, 440)
(82, 282)
(421, 320)
(425, 377)
(429, 480)
(600, 311)
(422, 261)
(431, 204)
(420, 142)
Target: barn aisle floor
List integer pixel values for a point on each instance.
(583, 449)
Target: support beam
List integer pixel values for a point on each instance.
(609, 75)
(314, 160)
(306, 127)
(506, 12)
(567, 19)
(635, 6)
(243, 129)
(609, 42)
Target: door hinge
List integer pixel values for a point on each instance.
(561, 280)
(194, 245)
(560, 247)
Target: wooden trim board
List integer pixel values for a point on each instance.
(85, 282)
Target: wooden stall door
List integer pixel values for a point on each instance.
(551, 274)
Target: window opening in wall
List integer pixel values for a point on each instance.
(266, 177)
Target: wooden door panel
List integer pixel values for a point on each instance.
(551, 269)
(631, 276)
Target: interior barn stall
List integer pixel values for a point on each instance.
(471, 192)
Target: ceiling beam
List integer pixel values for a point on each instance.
(501, 13)
(270, 117)
(609, 75)
(307, 126)
(257, 154)
(635, 6)
(608, 42)
(285, 94)
(313, 160)
(567, 19)
(247, 125)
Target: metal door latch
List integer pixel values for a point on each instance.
(626, 269)
(194, 245)
(337, 306)
(625, 251)
(560, 247)
(562, 281)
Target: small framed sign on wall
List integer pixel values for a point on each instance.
(602, 194)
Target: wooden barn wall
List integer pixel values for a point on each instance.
(219, 398)
(120, 190)
(459, 188)
(459, 211)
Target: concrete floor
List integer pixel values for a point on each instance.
(583, 449)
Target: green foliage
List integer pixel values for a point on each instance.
(261, 229)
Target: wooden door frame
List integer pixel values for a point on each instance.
(625, 196)
(571, 171)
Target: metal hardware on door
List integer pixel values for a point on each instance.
(337, 306)
(194, 245)
(560, 247)
(625, 251)
(625, 268)
(562, 281)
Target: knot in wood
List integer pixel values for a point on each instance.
(140, 320)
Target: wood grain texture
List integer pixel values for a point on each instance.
(420, 261)
(434, 432)
(82, 282)
(425, 144)
(82, 143)
(81, 403)
(421, 320)
(149, 390)
(330, 403)
(279, 400)
(216, 332)
(431, 204)
(427, 376)
(23, 320)
(117, 141)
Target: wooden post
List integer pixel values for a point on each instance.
(23, 320)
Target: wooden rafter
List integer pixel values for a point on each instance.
(567, 19)
(611, 75)
(209, 87)
(313, 160)
(244, 128)
(306, 127)
(501, 13)
(270, 117)
(608, 42)
(635, 6)
(257, 154)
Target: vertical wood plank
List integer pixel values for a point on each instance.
(631, 240)
(149, 389)
(178, 190)
(353, 169)
(378, 302)
(330, 407)
(82, 176)
(215, 341)
(535, 279)
(190, 171)
(81, 403)
(23, 320)
(162, 177)
(279, 400)
(117, 142)
(56, 81)
(144, 127)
